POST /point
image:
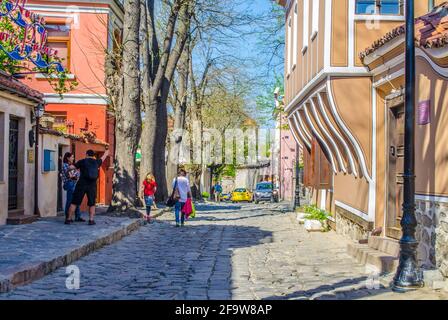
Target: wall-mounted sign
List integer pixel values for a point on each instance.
(424, 112)
(25, 37)
(30, 156)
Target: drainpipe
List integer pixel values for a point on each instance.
(38, 112)
(36, 169)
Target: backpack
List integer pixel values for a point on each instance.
(92, 170)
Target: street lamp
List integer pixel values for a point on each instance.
(409, 275)
(38, 113)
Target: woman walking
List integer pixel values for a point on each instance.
(149, 188)
(70, 176)
(182, 191)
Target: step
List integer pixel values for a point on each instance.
(365, 255)
(386, 245)
(21, 219)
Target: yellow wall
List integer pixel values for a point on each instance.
(339, 34)
(353, 98)
(431, 140)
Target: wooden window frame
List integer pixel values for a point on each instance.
(66, 39)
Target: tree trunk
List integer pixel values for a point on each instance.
(155, 129)
(180, 109)
(128, 119)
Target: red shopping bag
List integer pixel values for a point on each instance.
(188, 208)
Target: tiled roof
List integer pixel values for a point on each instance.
(431, 31)
(73, 137)
(8, 83)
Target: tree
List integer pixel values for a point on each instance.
(123, 84)
(160, 62)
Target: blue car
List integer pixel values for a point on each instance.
(266, 191)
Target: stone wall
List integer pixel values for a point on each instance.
(351, 226)
(432, 234)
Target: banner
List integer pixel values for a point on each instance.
(23, 36)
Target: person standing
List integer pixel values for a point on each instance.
(70, 176)
(217, 192)
(89, 168)
(181, 184)
(149, 188)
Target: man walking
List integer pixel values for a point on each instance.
(181, 184)
(89, 168)
(217, 192)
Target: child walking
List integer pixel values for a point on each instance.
(149, 188)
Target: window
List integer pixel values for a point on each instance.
(306, 23)
(296, 32)
(381, 7)
(49, 163)
(289, 45)
(59, 39)
(315, 29)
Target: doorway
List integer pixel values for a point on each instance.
(13, 164)
(396, 124)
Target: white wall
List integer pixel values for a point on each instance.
(48, 181)
(11, 105)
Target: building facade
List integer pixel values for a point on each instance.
(17, 122)
(82, 32)
(344, 107)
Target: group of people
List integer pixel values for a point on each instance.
(80, 180)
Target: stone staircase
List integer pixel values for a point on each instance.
(379, 253)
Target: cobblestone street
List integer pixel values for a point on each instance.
(227, 252)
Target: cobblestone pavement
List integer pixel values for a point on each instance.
(227, 252)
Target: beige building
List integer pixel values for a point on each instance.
(344, 105)
(17, 103)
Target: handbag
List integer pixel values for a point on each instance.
(171, 202)
(187, 209)
(193, 211)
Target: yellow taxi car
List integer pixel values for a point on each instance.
(242, 194)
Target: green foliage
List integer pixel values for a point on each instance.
(265, 103)
(205, 195)
(315, 213)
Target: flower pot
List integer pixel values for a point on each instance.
(301, 217)
(314, 226)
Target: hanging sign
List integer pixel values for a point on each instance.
(25, 38)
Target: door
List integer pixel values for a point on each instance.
(60, 205)
(395, 171)
(13, 163)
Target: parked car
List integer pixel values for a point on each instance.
(226, 197)
(266, 191)
(242, 194)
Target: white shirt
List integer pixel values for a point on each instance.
(183, 185)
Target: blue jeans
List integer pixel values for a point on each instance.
(180, 217)
(149, 201)
(69, 187)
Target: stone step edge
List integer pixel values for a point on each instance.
(36, 271)
(368, 256)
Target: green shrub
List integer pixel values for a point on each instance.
(315, 213)
(205, 195)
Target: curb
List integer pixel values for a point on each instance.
(161, 213)
(27, 273)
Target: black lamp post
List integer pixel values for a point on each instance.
(38, 113)
(408, 275)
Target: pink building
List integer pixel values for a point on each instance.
(287, 158)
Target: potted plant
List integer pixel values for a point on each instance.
(315, 219)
